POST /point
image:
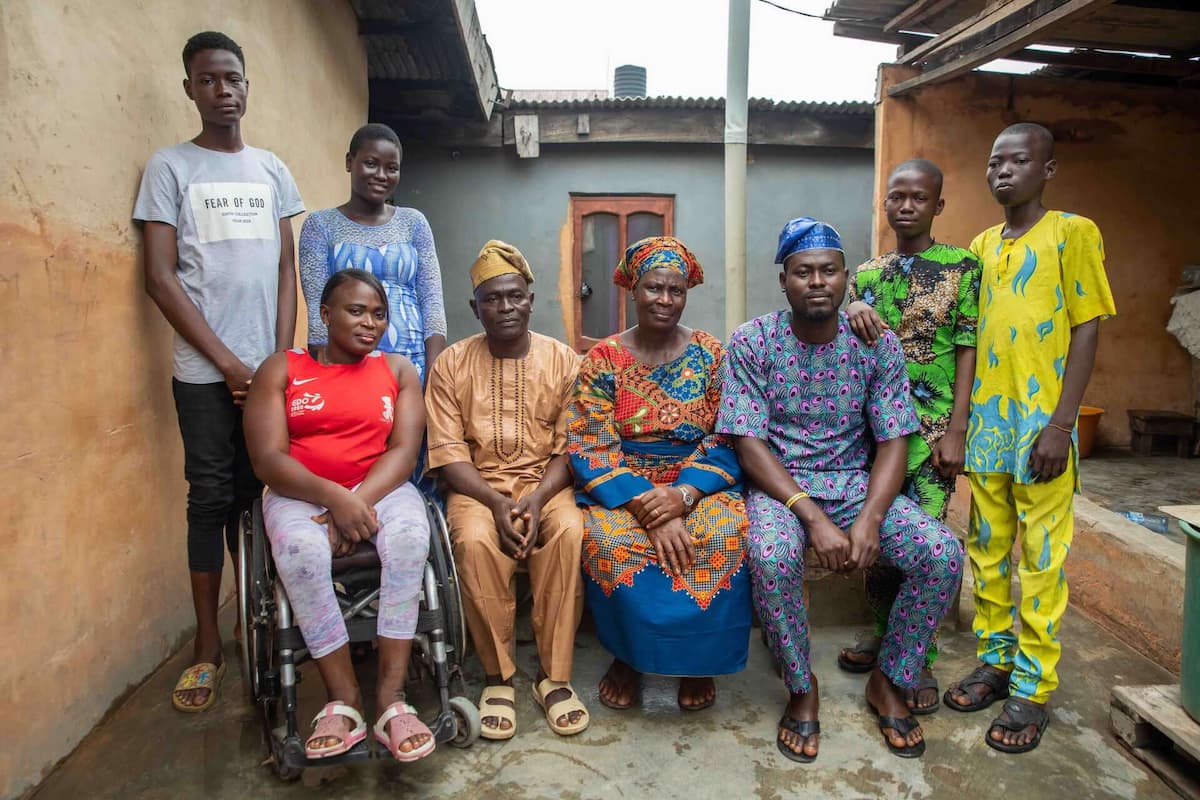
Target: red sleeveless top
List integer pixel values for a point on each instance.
(339, 416)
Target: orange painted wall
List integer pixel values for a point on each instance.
(1127, 158)
(93, 577)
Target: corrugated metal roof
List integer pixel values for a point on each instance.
(431, 57)
(426, 56)
(857, 109)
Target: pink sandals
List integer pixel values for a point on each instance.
(405, 725)
(326, 726)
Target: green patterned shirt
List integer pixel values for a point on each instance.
(931, 301)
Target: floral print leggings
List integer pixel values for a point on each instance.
(303, 556)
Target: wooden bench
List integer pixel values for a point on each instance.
(1145, 424)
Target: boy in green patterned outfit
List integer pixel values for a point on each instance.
(928, 293)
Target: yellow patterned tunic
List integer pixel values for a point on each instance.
(1034, 290)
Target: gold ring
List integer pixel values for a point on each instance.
(656, 512)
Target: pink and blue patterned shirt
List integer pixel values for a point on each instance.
(813, 404)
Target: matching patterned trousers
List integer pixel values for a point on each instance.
(923, 549)
(1042, 516)
(928, 489)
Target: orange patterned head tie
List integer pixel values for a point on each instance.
(657, 252)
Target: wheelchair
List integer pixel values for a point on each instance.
(273, 649)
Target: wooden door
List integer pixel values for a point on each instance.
(603, 226)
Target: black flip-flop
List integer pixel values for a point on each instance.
(902, 726)
(1021, 714)
(923, 685)
(996, 682)
(803, 728)
(870, 645)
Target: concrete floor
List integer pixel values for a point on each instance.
(145, 749)
(1122, 480)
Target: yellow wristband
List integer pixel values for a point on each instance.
(797, 497)
(1059, 427)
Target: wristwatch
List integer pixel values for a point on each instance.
(688, 499)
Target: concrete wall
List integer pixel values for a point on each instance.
(94, 581)
(492, 194)
(1127, 157)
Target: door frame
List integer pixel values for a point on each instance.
(620, 205)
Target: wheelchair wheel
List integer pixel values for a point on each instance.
(442, 555)
(245, 604)
(467, 723)
(254, 597)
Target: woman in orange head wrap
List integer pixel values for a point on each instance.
(664, 525)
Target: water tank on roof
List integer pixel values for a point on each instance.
(629, 81)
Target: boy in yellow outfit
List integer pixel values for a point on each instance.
(1043, 293)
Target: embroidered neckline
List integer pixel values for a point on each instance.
(497, 387)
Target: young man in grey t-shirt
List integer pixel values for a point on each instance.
(220, 265)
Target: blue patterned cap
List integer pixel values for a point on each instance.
(806, 233)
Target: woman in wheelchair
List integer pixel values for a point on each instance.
(335, 437)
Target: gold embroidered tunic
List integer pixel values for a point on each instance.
(507, 416)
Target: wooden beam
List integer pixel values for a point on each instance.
(1109, 62)
(989, 14)
(914, 14)
(976, 52)
(479, 55)
(1019, 20)
(704, 127)
(867, 33)
(1123, 27)
(525, 134)
(559, 127)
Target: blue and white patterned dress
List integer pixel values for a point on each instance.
(400, 253)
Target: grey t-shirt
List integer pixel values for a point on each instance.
(225, 208)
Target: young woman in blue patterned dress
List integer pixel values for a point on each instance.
(394, 244)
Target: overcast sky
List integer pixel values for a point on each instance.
(576, 44)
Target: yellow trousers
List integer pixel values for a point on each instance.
(1042, 516)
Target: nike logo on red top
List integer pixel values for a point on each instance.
(298, 382)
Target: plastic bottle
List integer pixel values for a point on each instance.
(1155, 522)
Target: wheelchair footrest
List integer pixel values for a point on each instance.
(360, 751)
(444, 728)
